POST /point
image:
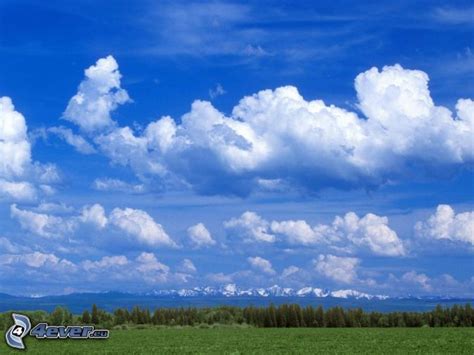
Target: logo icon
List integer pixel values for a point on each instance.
(14, 335)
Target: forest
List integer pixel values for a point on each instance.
(283, 316)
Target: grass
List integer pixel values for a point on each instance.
(262, 341)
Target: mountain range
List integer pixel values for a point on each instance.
(229, 294)
(232, 290)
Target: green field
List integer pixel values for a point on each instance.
(260, 341)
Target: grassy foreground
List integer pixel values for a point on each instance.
(261, 340)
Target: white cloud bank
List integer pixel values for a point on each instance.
(370, 233)
(145, 270)
(445, 224)
(278, 136)
(134, 222)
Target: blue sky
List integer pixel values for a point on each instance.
(156, 145)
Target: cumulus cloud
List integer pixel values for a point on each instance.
(337, 268)
(45, 221)
(18, 191)
(136, 223)
(94, 215)
(152, 271)
(97, 96)
(15, 148)
(371, 232)
(350, 233)
(140, 225)
(277, 135)
(46, 272)
(18, 173)
(200, 236)
(445, 224)
(144, 269)
(149, 262)
(34, 260)
(249, 226)
(419, 279)
(78, 142)
(187, 266)
(297, 232)
(261, 264)
(42, 224)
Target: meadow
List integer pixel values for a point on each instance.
(248, 340)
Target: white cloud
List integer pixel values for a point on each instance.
(350, 233)
(46, 224)
(200, 236)
(98, 95)
(15, 148)
(445, 224)
(19, 175)
(136, 223)
(34, 260)
(141, 225)
(94, 215)
(277, 135)
(19, 191)
(78, 142)
(261, 264)
(420, 280)
(106, 262)
(187, 266)
(108, 184)
(251, 227)
(145, 268)
(218, 91)
(297, 232)
(148, 262)
(6, 246)
(41, 224)
(370, 231)
(151, 270)
(289, 271)
(124, 148)
(337, 268)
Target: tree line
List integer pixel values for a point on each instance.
(283, 316)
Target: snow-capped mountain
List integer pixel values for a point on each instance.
(232, 290)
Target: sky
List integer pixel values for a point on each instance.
(153, 145)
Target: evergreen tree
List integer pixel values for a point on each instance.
(95, 314)
(86, 317)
